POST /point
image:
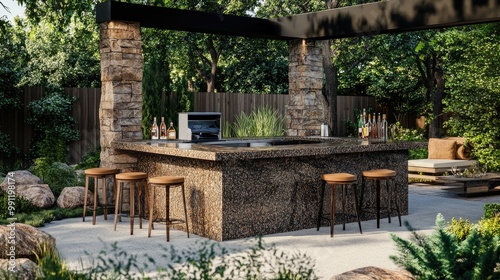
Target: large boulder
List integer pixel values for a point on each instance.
(24, 269)
(373, 273)
(29, 187)
(40, 195)
(72, 197)
(28, 240)
(19, 178)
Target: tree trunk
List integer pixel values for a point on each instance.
(330, 90)
(435, 129)
(331, 82)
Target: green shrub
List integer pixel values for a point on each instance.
(397, 132)
(39, 217)
(491, 210)
(261, 122)
(91, 159)
(53, 125)
(442, 256)
(56, 174)
(21, 205)
(489, 226)
(418, 153)
(460, 228)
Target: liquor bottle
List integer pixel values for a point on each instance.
(171, 132)
(379, 126)
(384, 128)
(365, 128)
(374, 127)
(163, 129)
(360, 126)
(154, 130)
(369, 126)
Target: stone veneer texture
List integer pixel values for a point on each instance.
(241, 198)
(307, 108)
(120, 111)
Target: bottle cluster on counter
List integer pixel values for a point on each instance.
(372, 128)
(161, 132)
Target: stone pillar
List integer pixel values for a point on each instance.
(307, 108)
(120, 112)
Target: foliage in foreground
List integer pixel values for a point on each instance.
(442, 255)
(203, 260)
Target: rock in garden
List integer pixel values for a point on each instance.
(20, 177)
(40, 195)
(29, 241)
(20, 269)
(30, 187)
(373, 273)
(72, 197)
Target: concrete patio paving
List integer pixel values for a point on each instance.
(80, 242)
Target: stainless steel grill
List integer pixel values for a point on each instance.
(200, 126)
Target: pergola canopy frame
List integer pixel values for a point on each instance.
(391, 16)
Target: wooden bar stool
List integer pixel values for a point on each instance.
(344, 180)
(96, 174)
(167, 182)
(133, 178)
(378, 175)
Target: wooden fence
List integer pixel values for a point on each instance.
(14, 122)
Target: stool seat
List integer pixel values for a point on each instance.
(101, 171)
(379, 173)
(343, 180)
(132, 176)
(339, 178)
(166, 180)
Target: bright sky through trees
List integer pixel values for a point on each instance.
(14, 8)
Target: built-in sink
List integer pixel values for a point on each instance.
(259, 143)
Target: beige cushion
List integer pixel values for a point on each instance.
(442, 148)
(463, 152)
(440, 163)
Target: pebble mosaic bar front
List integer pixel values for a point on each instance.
(235, 192)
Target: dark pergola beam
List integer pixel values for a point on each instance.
(184, 20)
(391, 16)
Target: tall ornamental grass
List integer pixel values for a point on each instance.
(262, 122)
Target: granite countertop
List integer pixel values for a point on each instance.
(203, 151)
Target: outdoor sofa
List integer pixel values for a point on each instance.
(444, 154)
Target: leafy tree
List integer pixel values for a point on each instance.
(61, 58)
(474, 91)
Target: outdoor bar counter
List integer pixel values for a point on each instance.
(237, 192)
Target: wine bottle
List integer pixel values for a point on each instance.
(171, 134)
(369, 126)
(384, 128)
(360, 126)
(163, 129)
(154, 130)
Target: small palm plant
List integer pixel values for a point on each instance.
(443, 256)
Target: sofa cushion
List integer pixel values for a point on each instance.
(440, 163)
(463, 152)
(442, 148)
